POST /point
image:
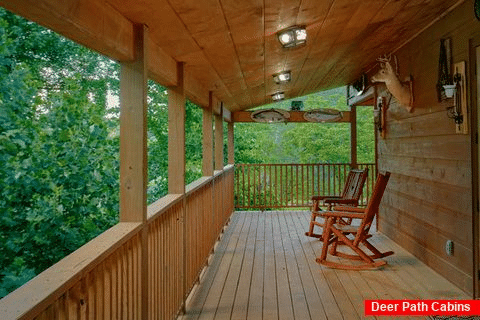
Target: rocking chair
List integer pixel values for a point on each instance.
(350, 196)
(336, 233)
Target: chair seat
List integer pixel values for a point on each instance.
(350, 196)
(346, 228)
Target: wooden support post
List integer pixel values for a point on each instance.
(208, 138)
(133, 151)
(133, 133)
(176, 158)
(219, 142)
(353, 137)
(231, 151)
(176, 134)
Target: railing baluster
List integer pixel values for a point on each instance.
(282, 186)
(289, 185)
(265, 185)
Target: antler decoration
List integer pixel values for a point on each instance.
(401, 91)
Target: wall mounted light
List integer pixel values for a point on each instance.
(292, 37)
(459, 111)
(278, 96)
(380, 116)
(282, 77)
(454, 91)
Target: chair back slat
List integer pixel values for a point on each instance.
(372, 206)
(354, 185)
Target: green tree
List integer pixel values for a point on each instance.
(158, 142)
(157, 116)
(365, 135)
(59, 173)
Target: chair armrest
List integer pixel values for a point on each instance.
(340, 201)
(341, 214)
(318, 198)
(349, 209)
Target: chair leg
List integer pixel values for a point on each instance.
(313, 223)
(333, 248)
(326, 239)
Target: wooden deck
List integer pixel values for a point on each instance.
(264, 268)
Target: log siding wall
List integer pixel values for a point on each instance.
(429, 198)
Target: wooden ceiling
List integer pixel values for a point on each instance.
(230, 47)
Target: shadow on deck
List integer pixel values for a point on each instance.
(264, 268)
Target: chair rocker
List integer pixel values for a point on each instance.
(336, 233)
(350, 196)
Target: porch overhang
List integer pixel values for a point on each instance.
(231, 47)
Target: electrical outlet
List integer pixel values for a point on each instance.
(449, 247)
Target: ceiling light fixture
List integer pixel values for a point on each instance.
(278, 96)
(282, 77)
(292, 37)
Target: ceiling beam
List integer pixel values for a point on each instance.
(91, 23)
(295, 116)
(100, 27)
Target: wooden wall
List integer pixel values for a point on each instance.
(429, 196)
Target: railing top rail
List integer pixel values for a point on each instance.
(162, 204)
(197, 184)
(34, 296)
(228, 167)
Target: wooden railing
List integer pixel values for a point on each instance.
(133, 270)
(262, 186)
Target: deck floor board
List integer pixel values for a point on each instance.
(264, 268)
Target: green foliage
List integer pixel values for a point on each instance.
(193, 142)
(157, 116)
(365, 135)
(158, 142)
(59, 173)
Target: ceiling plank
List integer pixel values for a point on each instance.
(207, 25)
(324, 55)
(384, 39)
(245, 23)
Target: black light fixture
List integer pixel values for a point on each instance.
(292, 37)
(282, 77)
(455, 91)
(278, 96)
